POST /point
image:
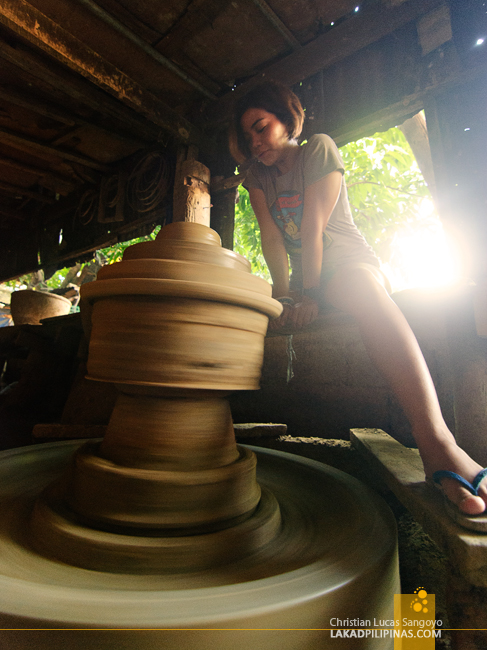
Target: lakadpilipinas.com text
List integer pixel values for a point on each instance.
(350, 628)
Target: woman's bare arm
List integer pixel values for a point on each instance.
(272, 244)
(320, 199)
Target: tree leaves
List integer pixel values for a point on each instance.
(385, 187)
(246, 240)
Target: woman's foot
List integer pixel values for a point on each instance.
(448, 456)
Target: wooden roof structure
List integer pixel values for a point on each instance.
(99, 97)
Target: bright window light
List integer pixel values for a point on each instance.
(422, 257)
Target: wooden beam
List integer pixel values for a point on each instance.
(347, 38)
(381, 120)
(198, 15)
(52, 112)
(11, 214)
(145, 47)
(117, 234)
(64, 84)
(225, 184)
(392, 115)
(277, 23)
(39, 107)
(23, 191)
(27, 21)
(54, 182)
(27, 144)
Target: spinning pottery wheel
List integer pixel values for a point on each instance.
(175, 334)
(167, 523)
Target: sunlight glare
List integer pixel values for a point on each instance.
(421, 256)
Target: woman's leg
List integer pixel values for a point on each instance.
(393, 348)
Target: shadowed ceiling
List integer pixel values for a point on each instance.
(95, 96)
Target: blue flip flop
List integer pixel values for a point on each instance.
(477, 523)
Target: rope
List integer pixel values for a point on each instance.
(148, 182)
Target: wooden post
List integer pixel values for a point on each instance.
(223, 216)
(192, 201)
(416, 134)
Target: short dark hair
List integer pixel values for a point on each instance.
(272, 97)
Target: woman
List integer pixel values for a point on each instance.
(299, 198)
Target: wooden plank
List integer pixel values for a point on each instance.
(197, 14)
(379, 121)
(104, 240)
(434, 29)
(25, 143)
(402, 470)
(274, 19)
(39, 107)
(145, 47)
(148, 32)
(45, 177)
(16, 190)
(225, 184)
(416, 134)
(24, 19)
(11, 214)
(368, 26)
(62, 83)
(392, 115)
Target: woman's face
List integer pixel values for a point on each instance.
(267, 136)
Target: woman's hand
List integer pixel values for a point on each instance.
(304, 313)
(284, 319)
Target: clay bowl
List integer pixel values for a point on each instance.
(29, 307)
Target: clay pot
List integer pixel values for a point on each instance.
(190, 316)
(29, 307)
(177, 325)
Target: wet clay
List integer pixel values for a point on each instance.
(176, 326)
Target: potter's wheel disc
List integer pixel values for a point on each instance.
(334, 531)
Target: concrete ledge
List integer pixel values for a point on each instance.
(402, 470)
(259, 430)
(57, 431)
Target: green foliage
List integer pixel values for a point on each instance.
(114, 253)
(385, 189)
(246, 239)
(33, 280)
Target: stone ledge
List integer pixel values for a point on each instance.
(402, 470)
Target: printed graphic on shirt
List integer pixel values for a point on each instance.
(287, 212)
